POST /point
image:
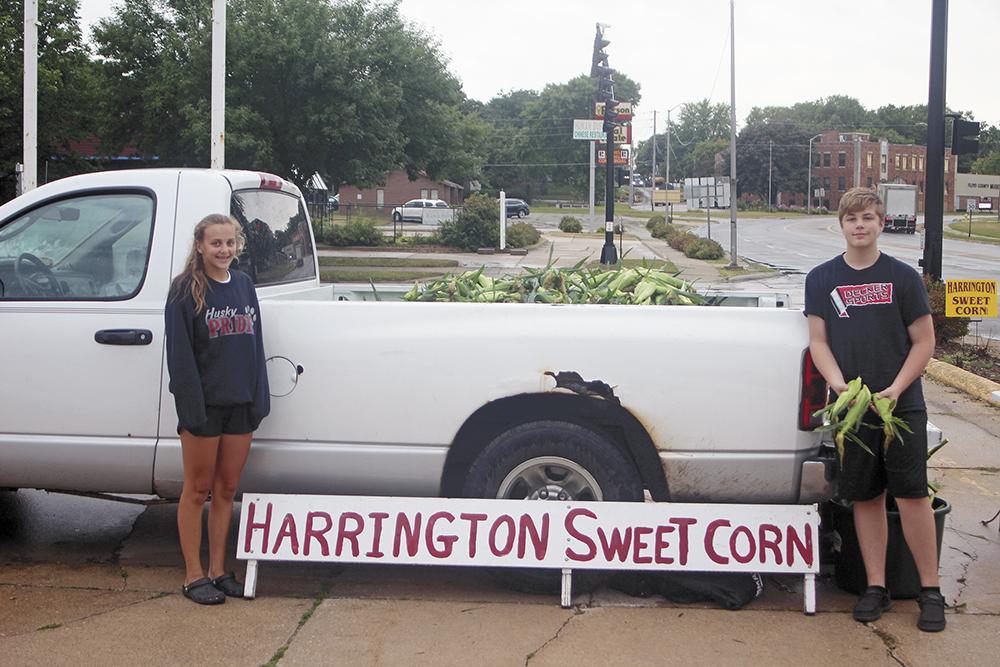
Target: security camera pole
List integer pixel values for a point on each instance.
(606, 94)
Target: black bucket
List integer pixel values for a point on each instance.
(901, 576)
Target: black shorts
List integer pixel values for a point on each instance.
(902, 470)
(226, 419)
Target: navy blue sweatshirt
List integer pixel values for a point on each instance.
(217, 356)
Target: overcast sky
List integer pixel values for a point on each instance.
(787, 51)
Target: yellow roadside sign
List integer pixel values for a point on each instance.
(971, 298)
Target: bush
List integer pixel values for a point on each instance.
(522, 235)
(705, 249)
(655, 220)
(476, 226)
(945, 328)
(570, 225)
(359, 231)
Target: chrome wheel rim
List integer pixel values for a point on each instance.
(550, 478)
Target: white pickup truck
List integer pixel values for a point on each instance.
(680, 403)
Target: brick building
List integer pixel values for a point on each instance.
(399, 189)
(843, 160)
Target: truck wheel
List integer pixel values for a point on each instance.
(551, 460)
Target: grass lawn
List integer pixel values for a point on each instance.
(396, 262)
(375, 275)
(981, 226)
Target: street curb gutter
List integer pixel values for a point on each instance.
(970, 383)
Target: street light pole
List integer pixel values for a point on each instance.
(810, 185)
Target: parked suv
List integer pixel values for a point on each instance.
(413, 210)
(517, 207)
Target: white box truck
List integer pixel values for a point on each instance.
(900, 206)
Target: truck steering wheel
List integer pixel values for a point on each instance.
(41, 282)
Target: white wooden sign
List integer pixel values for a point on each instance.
(539, 534)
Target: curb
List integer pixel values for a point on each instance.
(972, 384)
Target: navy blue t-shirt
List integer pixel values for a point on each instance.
(216, 357)
(867, 313)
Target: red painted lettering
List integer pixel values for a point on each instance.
(752, 543)
(377, 537)
(312, 533)
(661, 544)
(214, 325)
(710, 541)
(446, 540)
(618, 545)
(794, 544)
(251, 526)
(474, 520)
(540, 542)
(352, 535)
(511, 530)
(683, 535)
(571, 529)
(412, 534)
(287, 530)
(638, 545)
(769, 544)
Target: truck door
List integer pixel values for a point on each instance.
(80, 344)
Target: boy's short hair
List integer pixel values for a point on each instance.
(858, 199)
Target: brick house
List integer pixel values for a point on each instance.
(843, 160)
(399, 189)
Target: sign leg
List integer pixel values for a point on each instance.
(567, 588)
(250, 583)
(810, 594)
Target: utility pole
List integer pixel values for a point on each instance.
(29, 175)
(934, 195)
(733, 258)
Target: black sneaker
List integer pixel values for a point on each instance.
(931, 611)
(872, 604)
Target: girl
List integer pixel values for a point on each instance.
(215, 355)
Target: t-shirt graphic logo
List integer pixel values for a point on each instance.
(860, 295)
(227, 322)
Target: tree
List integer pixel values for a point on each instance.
(697, 122)
(546, 135)
(348, 90)
(65, 91)
(775, 148)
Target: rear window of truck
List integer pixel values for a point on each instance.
(279, 247)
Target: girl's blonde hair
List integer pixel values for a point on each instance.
(193, 277)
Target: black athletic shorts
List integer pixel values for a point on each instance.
(902, 469)
(226, 419)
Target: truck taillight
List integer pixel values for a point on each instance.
(814, 394)
(270, 181)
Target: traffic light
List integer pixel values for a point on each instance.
(964, 136)
(600, 57)
(624, 177)
(610, 114)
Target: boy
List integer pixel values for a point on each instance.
(869, 316)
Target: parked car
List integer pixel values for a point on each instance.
(333, 202)
(413, 210)
(517, 207)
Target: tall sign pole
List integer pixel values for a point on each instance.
(733, 257)
(934, 195)
(29, 178)
(218, 120)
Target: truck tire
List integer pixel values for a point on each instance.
(551, 460)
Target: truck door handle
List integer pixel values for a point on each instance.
(124, 337)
